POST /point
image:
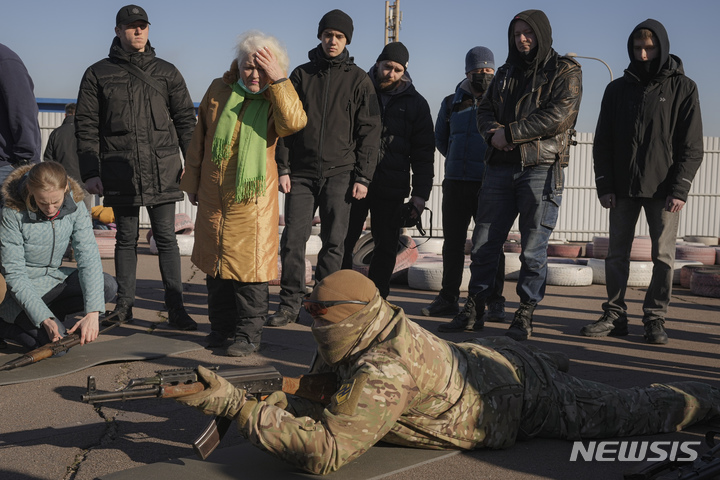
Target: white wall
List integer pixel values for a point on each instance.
(581, 216)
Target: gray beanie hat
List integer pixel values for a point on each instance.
(479, 57)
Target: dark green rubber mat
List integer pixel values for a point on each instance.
(139, 346)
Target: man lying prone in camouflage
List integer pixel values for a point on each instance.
(403, 385)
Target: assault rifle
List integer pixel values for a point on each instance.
(51, 349)
(705, 467)
(257, 381)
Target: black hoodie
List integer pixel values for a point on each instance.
(534, 97)
(648, 140)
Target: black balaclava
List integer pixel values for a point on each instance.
(646, 71)
(540, 24)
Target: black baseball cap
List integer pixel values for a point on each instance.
(129, 14)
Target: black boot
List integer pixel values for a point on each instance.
(521, 326)
(608, 324)
(179, 318)
(468, 316)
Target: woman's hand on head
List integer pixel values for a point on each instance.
(89, 327)
(267, 61)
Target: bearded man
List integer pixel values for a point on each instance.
(407, 144)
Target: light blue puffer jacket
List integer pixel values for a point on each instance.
(32, 247)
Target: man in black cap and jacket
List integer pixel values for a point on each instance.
(134, 116)
(648, 147)
(329, 162)
(526, 117)
(407, 145)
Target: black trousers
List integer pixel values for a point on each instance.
(237, 308)
(459, 206)
(64, 299)
(332, 197)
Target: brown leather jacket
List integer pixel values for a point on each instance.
(545, 114)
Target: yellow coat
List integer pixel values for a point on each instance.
(237, 241)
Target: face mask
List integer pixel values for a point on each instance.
(481, 81)
(242, 85)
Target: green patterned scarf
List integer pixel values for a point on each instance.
(252, 142)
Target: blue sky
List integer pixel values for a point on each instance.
(59, 39)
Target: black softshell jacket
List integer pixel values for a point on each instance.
(648, 140)
(343, 127)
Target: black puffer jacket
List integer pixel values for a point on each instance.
(549, 99)
(343, 127)
(128, 134)
(649, 140)
(407, 142)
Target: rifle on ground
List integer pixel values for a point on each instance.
(51, 349)
(257, 381)
(705, 467)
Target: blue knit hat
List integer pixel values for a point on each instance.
(479, 57)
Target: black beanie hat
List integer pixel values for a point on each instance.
(336, 20)
(395, 52)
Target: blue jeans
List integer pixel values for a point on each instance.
(535, 195)
(663, 230)
(162, 221)
(332, 196)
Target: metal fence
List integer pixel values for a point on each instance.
(581, 216)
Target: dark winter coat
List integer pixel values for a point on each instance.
(649, 140)
(457, 136)
(406, 144)
(19, 129)
(128, 133)
(549, 89)
(62, 147)
(343, 127)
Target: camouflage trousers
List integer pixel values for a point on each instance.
(558, 405)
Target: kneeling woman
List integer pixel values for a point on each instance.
(43, 211)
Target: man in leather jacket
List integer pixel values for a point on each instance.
(526, 118)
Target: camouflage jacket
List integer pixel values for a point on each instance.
(402, 385)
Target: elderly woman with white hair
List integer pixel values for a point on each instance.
(231, 175)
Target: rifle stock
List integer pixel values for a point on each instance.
(51, 349)
(257, 381)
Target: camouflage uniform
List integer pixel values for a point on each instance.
(405, 386)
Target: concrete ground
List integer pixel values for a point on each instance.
(47, 433)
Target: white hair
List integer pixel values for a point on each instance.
(250, 42)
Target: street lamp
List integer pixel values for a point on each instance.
(575, 55)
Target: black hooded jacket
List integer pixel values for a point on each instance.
(648, 140)
(343, 127)
(535, 98)
(407, 143)
(128, 133)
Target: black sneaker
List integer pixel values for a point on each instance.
(521, 326)
(466, 319)
(441, 306)
(655, 331)
(241, 348)
(608, 324)
(496, 312)
(179, 318)
(125, 315)
(281, 318)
